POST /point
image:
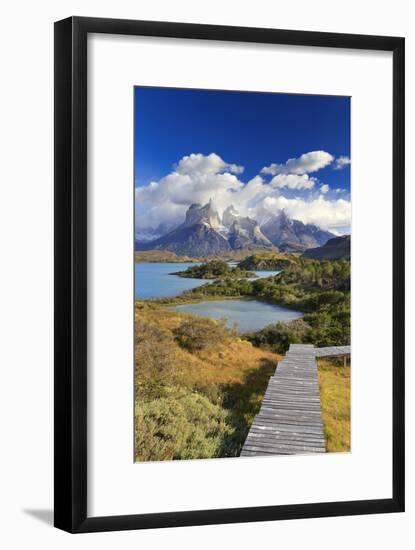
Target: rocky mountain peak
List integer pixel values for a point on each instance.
(263, 215)
(206, 214)
(245, 232)
(229, 216)
(293, 235)
(282, 218)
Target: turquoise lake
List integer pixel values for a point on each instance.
(249, 315)
(153, 280)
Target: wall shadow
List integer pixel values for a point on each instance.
(41, 514)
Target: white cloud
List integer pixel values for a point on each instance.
(341, 162)
(168, 199)
(324, 188)
(305, 164)
(197, 178)
(293, 181)
(325, 213)
(196, 163)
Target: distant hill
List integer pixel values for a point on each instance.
(162, 256)
(334, 249)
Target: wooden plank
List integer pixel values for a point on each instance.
(246, 453)
(293, 400)
(271, 412)
(290, 448)
(295, 413)
(284, 446)
(286, 433)
(306, 401)
(283, 419)
(286, 440)
(286, 428)
(298, 438)
(295, 425)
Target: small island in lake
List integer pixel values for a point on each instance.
(267, 261)
(215, 269)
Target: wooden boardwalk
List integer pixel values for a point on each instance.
(289, 421)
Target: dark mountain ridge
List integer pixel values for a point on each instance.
(334, 249)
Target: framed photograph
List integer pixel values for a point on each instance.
(229, 274)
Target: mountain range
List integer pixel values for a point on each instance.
(204, 232)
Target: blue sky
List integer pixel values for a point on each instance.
(249, 130)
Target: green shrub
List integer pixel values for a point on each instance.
(156, 362)
(198, 333)
(215, 269)
(185, 427)
(278, 337)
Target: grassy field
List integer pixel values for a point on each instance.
(334, 380)
(198, 386)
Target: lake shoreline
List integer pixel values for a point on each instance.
(174, 302)
(185, 299)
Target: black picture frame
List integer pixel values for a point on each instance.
(71, 344)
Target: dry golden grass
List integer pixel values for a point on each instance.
(227, 363)
(334, 380)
